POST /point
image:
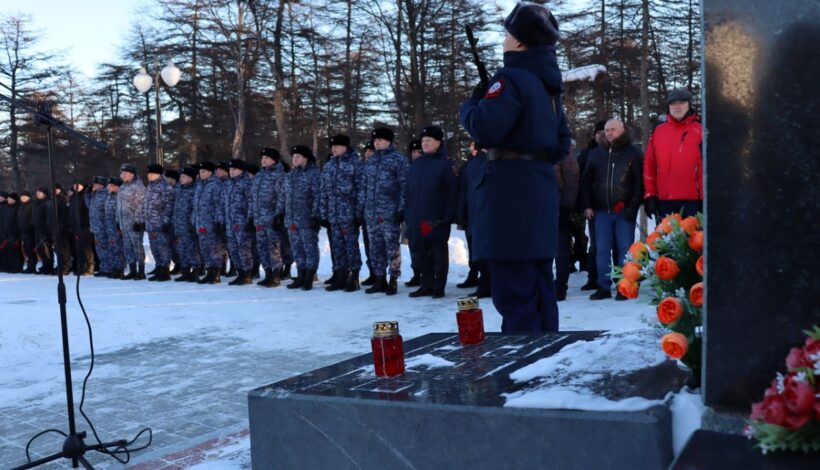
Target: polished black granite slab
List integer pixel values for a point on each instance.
(709, 450)
(762, 167)
(342, 416)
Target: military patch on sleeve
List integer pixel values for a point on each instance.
(496, 89)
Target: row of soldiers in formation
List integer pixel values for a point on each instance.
(206, 214)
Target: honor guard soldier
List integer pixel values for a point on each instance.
(381, 198)
(341, 178)
(520, 119)
(236, 200)
(116, 259)
(207, 206)
(265, 191)
(131, 216)
(99, 200)
(159, 207)
(187, 243)
(300, 206)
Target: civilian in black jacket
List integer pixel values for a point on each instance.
(80, 228)
(42, 230)
(26, 230)
(12, 251)
(612, 191)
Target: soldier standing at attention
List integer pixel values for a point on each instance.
(299, 204)
(520, 119)
(381, 198)
(186, 240)
(207, 205)
(159, 207)
(369, 149)
(172, 177)
(99, 200)
(131, 216)
(236, 202)
(341, 179)
(116, 260)
(265, 190)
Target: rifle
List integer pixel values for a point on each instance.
(482, 70)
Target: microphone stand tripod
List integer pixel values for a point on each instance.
(74, 447)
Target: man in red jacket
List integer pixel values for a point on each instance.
(673, 165)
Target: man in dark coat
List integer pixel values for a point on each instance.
(586, 256)
(413, 152)
(612, 193)
(42, 230)
(63, 243)
(521, 120)
(430, 203)
(479, 275)
(81, 229)
(13, 252)
(25, 224)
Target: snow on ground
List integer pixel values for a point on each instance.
(295, 324)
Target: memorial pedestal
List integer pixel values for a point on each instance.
(447, 411)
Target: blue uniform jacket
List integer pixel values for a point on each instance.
(470, 174)
(430, 197)
(236, 202)
(516, 201)
(184, 208)
(130, 207)
(381, 193)
(300, 201)
(159, 204)
(207, 204)
(266, 189)
(341, 179)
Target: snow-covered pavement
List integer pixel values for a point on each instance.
(180, 357)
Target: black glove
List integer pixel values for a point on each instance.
(278, 223)
(220, 229)
(167, 228)
(651, 206)
(138, 227)
(192, 230)
(398, 217)
(250, 226)
(326, 224)
(479, 91)
(315, 223)
(564, 219)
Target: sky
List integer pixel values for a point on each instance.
(89, 31)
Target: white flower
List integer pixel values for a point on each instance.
(800, 377)
(780, 386)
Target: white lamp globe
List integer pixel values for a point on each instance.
(171, 74)
(143, 81)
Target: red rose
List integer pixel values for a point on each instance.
(798, 396)
(798, 358)
(203, 230)
(293, 227)
(757, 410)
(425, 228)
(774, 411)
(812, 347)
(258, 228)
(795, 421)
(618, 207)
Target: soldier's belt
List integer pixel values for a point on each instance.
(506, 154)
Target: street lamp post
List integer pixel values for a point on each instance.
(170, 75)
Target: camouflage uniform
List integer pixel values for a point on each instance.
(381, 196)
(187, 245)
(99, 201)
(159, 207)
(113, 234)
(131, 211)
(206, 217)
(300, 204)
(236, 199)
(265, 190)
(341, 178)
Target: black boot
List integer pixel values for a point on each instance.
(414, 281)
(300, 279)
(392, 286)
(132, 271)
(153, 271)
(310, 277)
(115, 274)
(286, 272)
(140, 272)
(332, 280)
(352, 281)
(163, 274)
(379, 285)
(271, 278)
(177, 270)
(215, 279)
(483, 290)
(99, 274)
(152, 276)
(371, 279)
(601, 294)
(232, 271)
(471, 281)
(340, 282)
(242, 279)
(196, 273)
(186, 274)
(211, 276)
(425, 290)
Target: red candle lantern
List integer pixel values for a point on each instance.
(470, 321)
(388, 349)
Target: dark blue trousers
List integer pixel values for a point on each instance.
(524, 294)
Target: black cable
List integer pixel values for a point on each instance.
(30, 441)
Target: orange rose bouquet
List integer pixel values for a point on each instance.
(788, 418)
(670, 267)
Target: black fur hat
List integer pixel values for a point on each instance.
(414, 145)
(533, 25)
(129, 167)
(155, 168)
(115, 181)
(432, 131)
(304, 151)
(173, 174)
(340, 139)
(207, 165)
(382, 133)
(369, 145)
(100, 180)
(270, 152)
(191, 171)
(223, 166)
(238, 164)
